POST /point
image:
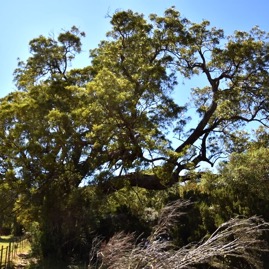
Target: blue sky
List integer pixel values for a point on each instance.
(23, 20)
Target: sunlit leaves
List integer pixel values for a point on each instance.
(50, 59)
(120, 113)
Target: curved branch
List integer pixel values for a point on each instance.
(141, 180)
(199, 130)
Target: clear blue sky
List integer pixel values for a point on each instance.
(23, 20)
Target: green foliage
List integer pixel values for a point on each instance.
(49, 60)
(246, 178)
(240, 189)
(110, 126)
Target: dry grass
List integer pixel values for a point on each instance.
(20, 250)
(236, 240)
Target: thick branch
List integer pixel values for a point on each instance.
(149, 182)
(145, 181)
(199, 130)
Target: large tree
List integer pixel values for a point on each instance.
(141, 126)
(120, 120)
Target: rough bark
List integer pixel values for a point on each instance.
(146, 181)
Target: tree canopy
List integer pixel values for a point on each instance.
(120, 121)
(119, 115)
